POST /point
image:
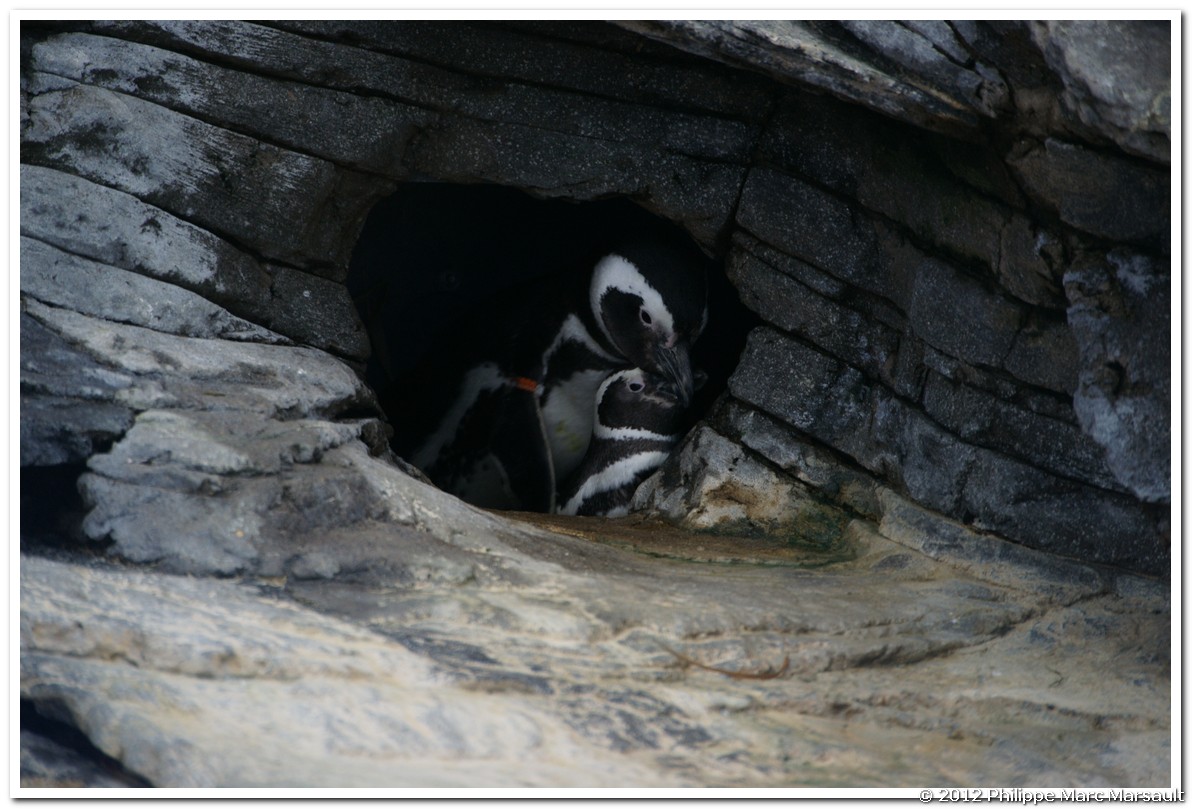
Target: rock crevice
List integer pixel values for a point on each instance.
(945, 446)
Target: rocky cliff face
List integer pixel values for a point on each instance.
(956, 237)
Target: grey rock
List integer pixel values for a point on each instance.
(984, 556)
(1042, 400)
(401, 60)
(230, 492)
(1116, 76)
(61, 279)
(953, 99)
(1045, 354)
(550, 164)
(112, 227)
(712, 483)
(298, 116)
(943, 306)
(1102, 81)
(1029, 262)
(68, 408)
(1014, 499)
(916, 402)
(200, 172)
(941, 36)
(115, 228)
(826, 473)
(59, 430)
(982, 419)
(808, 390)
(836, 405)
(663, 108)
(317, 311)
(58, 367)
(1120, 315)
(47, 763)
(149, 369)
(818, 228)
(781, 300)
(187, 680)
(1100, 193)
(897, 171)
(598, 138)
(801, 271)
(962, 317)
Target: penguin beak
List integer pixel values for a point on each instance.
(674, 363)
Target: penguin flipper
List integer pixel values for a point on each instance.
(519, 441)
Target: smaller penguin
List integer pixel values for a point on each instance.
(638, 420)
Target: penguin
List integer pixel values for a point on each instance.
(638, 418)
(504, 414)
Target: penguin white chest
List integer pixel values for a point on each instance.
(568, 415)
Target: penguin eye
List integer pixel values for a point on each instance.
(637, 387)
(645, 316)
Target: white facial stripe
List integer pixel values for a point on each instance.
(624, 433)
(614, 476)
(616, 272)
(632, 375)
(629, 433)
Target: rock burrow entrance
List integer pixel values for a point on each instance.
(433, 258)
(965, 344)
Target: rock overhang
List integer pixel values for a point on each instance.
(919, 345)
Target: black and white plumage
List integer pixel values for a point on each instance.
(638, 419)
(506, 414)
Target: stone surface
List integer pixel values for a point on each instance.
(186, 680)
(61, 279)
(834, 402)
(945, 95)
(58, 431)
(68, 401)
(1120, 315)
(299, 116)
(896, 170)
(902, 548)
(119, 231)
(1116, 78)
(713, 483)
(1104, 81)
(1102, 194)
(211, 176)
(47, 763)
(671, 161)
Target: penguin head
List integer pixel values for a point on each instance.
(637, 400)
(651, 302)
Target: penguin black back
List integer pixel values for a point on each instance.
(638, 419)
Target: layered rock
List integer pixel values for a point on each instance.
(957, 236)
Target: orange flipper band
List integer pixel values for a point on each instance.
(525, 383)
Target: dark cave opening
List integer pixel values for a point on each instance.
(60, 750)
(52, 510)
(434, 258)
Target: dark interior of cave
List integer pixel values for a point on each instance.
(72, 745)
(430, 255)
(52, 509)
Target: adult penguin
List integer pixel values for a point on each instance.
(503, 411)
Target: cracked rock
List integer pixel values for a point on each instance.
(922, 537)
